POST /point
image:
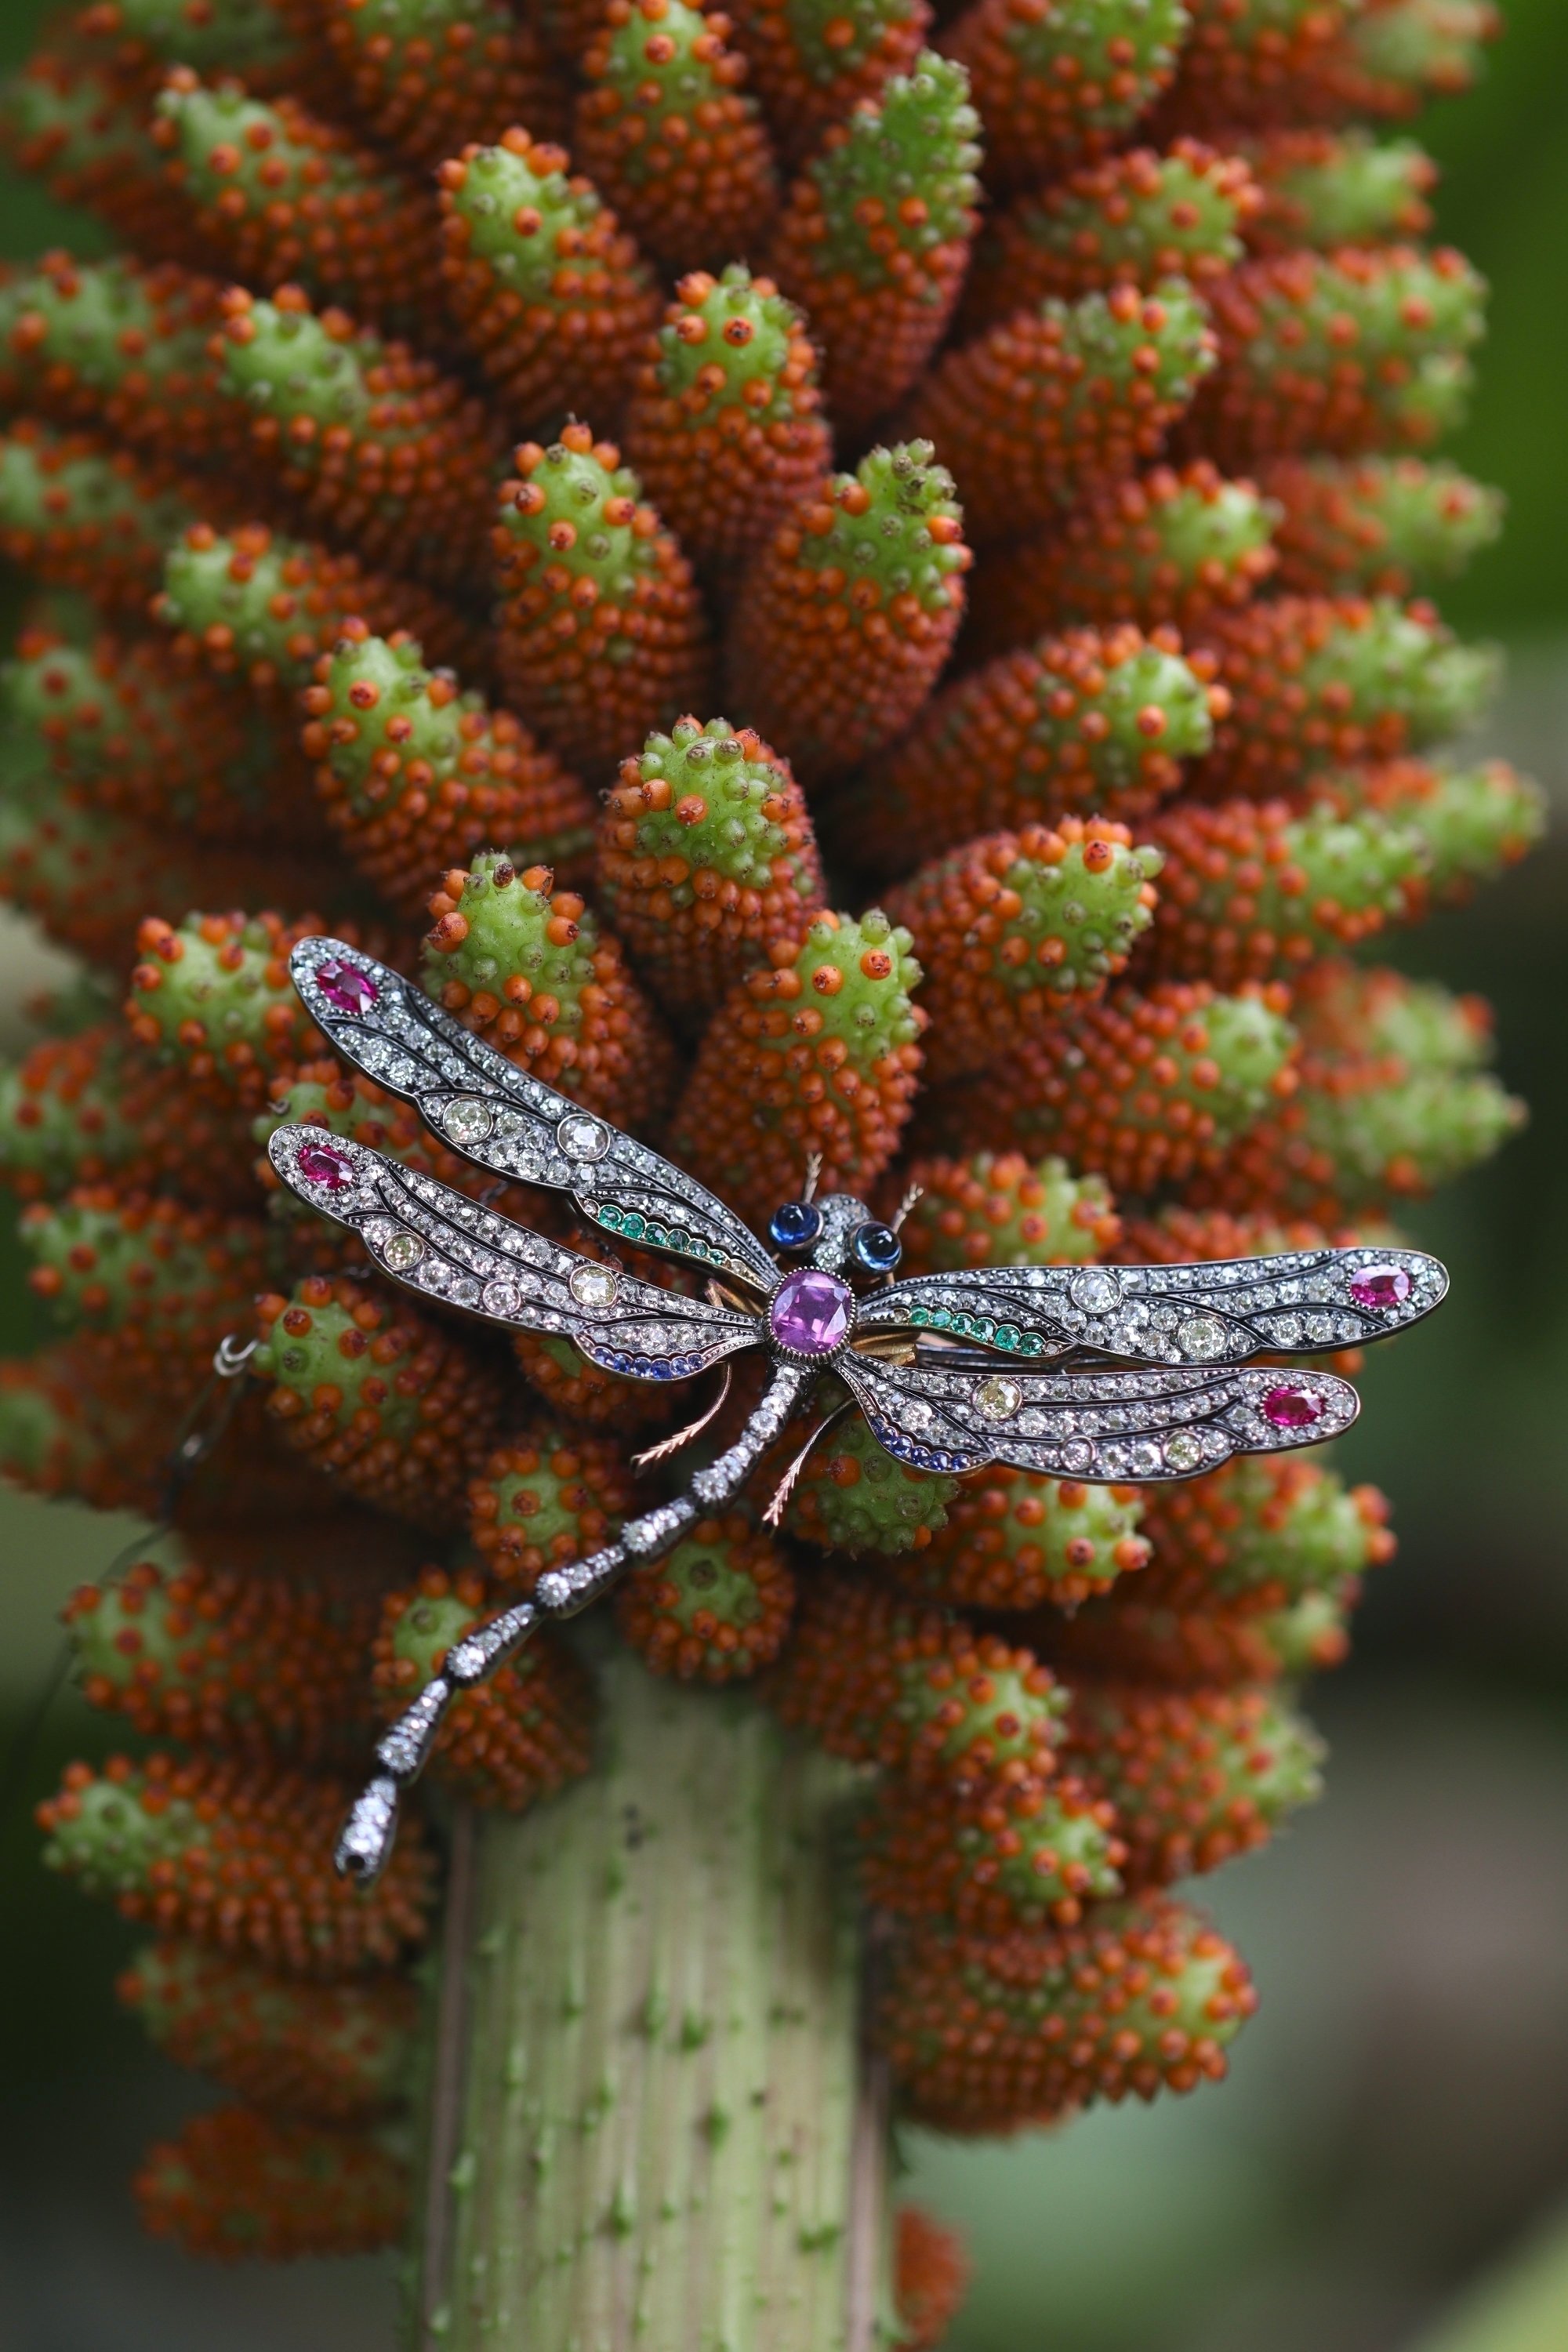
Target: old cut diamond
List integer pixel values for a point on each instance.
(583, 1136)
(594, 1286)
(468, 1119)
(998, 1398)
(1202, 1337)
(1096, 1290)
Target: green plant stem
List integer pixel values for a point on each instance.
(650, 2129)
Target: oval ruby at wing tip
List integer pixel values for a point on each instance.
(810, 1312)
(350, 990)
(1380, 1288)
(1291, 1408)
(319, 1164)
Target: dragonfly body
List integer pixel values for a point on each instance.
(1104, 1374)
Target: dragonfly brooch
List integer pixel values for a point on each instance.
(1094, 1372)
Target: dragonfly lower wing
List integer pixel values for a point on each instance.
(458, 1253)
(1103, 1427)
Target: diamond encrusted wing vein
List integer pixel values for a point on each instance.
(1221, 1313)
(447, 1248)
(1138, 1425)
(485, 1108)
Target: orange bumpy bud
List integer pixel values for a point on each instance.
(264, 1666)
(526, 967)
(415, 776)
(1000, 1209)
(425, 75)
(820, 1048)
(1015, 1539)
(725, 429)
(1195, 1778)
(716, 1607)
(323, 2053)
(931, 2271)
(988, 2036)
(1168, 548)
(603, 634)
(667, 133)
(881, 1683)
(1098, 720)
(1142, 1090)
(844, 619)
(235, 2185)
(1021, 1857)
(546, 1498)
(549, 292)
(235, 1857)
(706, 856)
(400, 1411)
(1013, 927)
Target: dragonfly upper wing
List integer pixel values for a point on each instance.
(452, 1250)
(498, 1117)
(1103, 1427)
(1217, 1314)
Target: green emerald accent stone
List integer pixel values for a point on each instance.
(1007, 1335)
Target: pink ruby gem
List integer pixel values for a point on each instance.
(810, 1312)
(1380, 1288)
(320, 1165)
(1293, 1408)
(342, 986)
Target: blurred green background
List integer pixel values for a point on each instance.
(1387, 2167)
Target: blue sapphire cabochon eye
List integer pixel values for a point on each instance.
(796, 1226)
(878, 1247)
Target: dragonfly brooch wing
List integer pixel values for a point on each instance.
(458, 1253)
(1216, 1315)
(502, 1118)
(1134, 1425)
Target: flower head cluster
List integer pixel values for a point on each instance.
(574, 500)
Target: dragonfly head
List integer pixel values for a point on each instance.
(837, 1234)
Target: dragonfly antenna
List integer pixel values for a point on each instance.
(914, 1193)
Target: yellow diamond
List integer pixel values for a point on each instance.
(998, 1398)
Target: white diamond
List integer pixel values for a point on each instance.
(403, 1249)
(500, 1299)
(1183, 1451)
(1077, 1455)
(594, 1286)
(468, 1119)
(998, 1398)
(583, 1136)
(1202, 1337)
(1096, 1290)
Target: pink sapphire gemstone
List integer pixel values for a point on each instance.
(342, 986)
(810, 1312)
(319, 1164)
(1380, 1288)
(1290, 1408)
